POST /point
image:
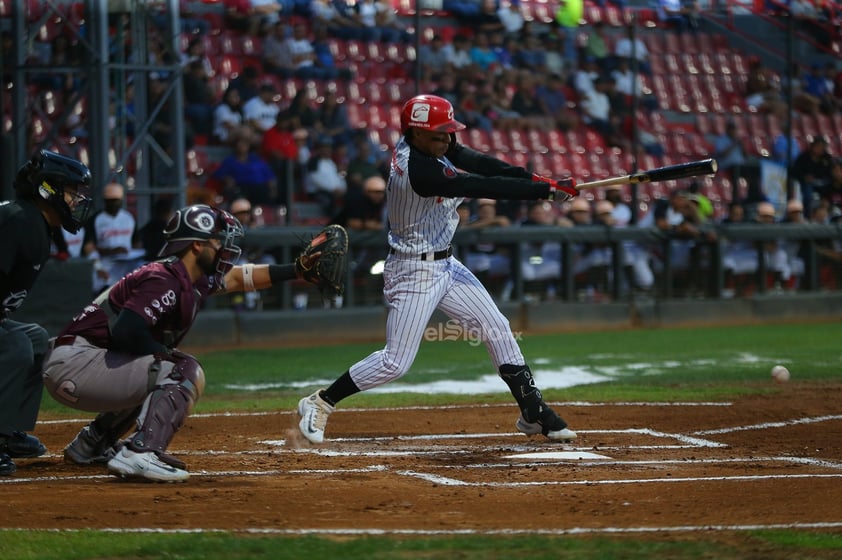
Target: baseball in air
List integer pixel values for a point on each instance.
(780, 374)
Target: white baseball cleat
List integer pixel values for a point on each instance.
(535, 428)
(314, 412)
(130, 464)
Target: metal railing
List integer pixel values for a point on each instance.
(284, 244)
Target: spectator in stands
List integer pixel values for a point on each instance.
(525, 102)
(633, 49)
(302, 57)
(781, 145)
(196, 52)
(433, 58)
(678, 217)
(567, 18)
(332, 120)
(540, 261)
(510, 14)
(151, 235)
(252, 253)
(244, 173)
(335, 17)
(364, 208)
(324, 56)
(597, 112)
(488, 261)
(774, 253)
(552, 100)
(360, 167)
(488, 19)
(228, 117)
(728, 151)
(469, 107)
(832, 193)
(584, 79)
(277, 56)
(381, 20)
(198, 98)
(325, 183)
(813, 171)
(482, 56)
(251, 17)
(681, 15)
(762, 91)
(460, 58)
(630, 84)
(110, 237)
(596, 46)
(496, 104)
(247, 83)
(261, 111)
(280, 149)
(816, 85)
(532, 55)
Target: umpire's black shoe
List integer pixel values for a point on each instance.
(20, 444)
(7, 466)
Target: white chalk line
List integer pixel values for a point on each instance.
(820, 525)
(421, 407)
(769, 425)
(447, 481)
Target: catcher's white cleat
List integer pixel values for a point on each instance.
(130, 464)
(535, 428)
(314, 412)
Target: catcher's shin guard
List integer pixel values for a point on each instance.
(167, 406)
(522, 385)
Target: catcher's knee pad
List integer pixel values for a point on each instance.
(522, 385)
(167, 405)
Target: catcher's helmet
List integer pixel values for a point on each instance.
(429, 112)
(46, 176)
(201, 222)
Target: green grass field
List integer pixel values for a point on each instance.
(643, 365)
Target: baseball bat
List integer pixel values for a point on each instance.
(666, 173)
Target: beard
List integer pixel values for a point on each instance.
(207, 261)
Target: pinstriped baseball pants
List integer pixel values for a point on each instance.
(413, 289)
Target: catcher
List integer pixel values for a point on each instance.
(119, 355)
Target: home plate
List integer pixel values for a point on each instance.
(559, 455)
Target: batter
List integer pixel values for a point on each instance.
(431, 173)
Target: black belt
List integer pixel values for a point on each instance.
(436, 256)
(64, 340)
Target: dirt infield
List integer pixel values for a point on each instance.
(761, 461)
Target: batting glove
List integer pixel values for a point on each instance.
(561, 190)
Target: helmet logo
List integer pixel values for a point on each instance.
(421, 112)
(46, 189)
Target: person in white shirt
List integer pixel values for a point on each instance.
(110, 239)
(261, 111)
(228, 117)
(324, 181)
(629, 49)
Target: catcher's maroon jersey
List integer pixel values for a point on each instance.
(160, 292)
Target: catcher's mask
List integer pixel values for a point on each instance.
(47, 176)
(201, 222)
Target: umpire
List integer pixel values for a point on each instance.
(52, 192)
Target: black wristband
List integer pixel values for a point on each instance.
(281, 273)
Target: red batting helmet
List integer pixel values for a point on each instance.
(429, 112)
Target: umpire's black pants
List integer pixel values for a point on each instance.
(22, 350)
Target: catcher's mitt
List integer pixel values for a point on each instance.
(324, 262)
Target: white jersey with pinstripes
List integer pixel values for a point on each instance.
(417, 224)
(415, 288)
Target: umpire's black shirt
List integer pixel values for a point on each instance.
(24, 248)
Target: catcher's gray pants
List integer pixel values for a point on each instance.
(22, 349)
(87, 377)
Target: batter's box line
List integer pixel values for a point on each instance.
(769, 425)
(448, 481)
(687, 441)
